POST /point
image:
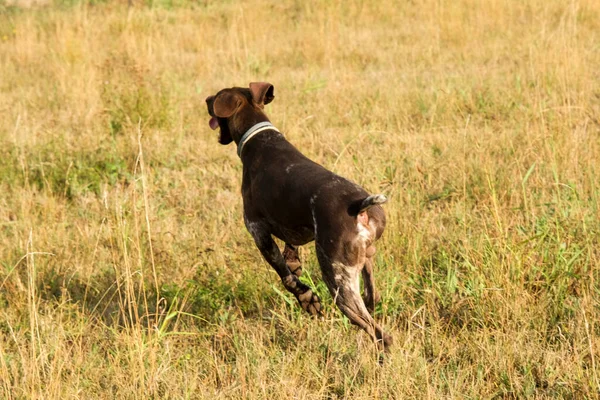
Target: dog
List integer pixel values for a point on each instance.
(288, 196)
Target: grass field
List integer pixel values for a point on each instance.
(125, 267)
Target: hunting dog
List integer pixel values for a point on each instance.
(297, 200)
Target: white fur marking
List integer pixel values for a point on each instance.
(364, 232)
(379, 199)
(347, 274)
(253, 227)
(312, 206)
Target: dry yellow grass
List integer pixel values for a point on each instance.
(125, 269)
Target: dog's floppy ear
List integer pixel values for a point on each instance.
(226, 104)
(262, 92)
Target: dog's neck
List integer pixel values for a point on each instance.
(253, 131)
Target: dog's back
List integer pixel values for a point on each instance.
(297, 200)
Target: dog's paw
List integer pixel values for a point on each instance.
(383, 341)
(310, 302)
(296, 270)
(292, 259)
(387, 341)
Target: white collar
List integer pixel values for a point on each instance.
(254, 130)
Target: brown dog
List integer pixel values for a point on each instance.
(297, 200)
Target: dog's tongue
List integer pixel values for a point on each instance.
(213, 123)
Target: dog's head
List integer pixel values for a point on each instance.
(236, 109)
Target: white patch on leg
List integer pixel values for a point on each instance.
(364, 232)
(313, 198)
(253, 227)
(347, 275)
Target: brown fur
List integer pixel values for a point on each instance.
(297, 200)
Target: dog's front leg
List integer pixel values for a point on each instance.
(292, 259)
(262, 237)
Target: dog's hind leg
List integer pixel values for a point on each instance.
(292, 259)
(370, 295)
(343, 283)
(309, 301)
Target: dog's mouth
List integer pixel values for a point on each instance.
(213, 123)
(224, 136)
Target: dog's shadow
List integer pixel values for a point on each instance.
(210, 297)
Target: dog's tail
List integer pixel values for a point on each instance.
(373, 200)
(361, 206)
